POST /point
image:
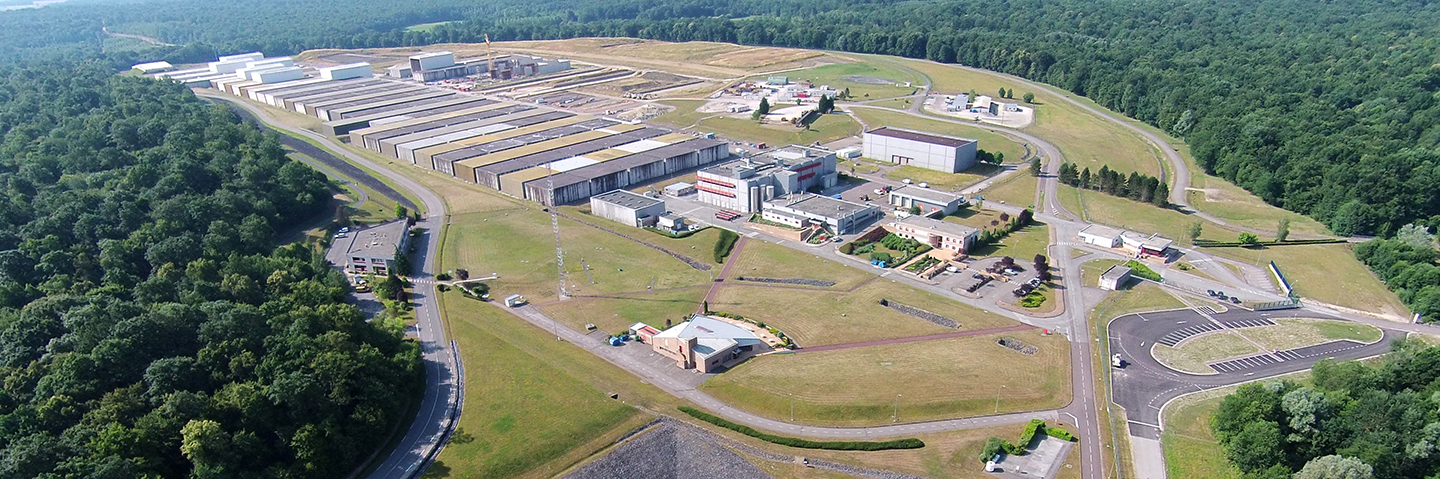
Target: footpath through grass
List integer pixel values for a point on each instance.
(937, 379)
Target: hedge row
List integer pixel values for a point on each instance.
(1139, 270)
(1232, 244)
(994, 445)
(907, 443)
(724, 244)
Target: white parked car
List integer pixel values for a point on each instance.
(905, 181)
(924, 185)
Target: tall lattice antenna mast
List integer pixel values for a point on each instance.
(555, 227)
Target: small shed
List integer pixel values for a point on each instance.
(672, 222)
(680, 189)
(514, 300)
(1115, 277)
(643, 332)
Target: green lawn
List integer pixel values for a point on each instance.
(614, 315)
(820, 317)
(952, 182)
(524, 408)
(1297, 333)
(769, 260)
(1194, 354)
(1328, 273)
(517, 244)
(1191, 449)
(827, 129)
(838, 77)
(1138, 299)
(989, 141)
(1022, 245)
(933, 380)
(856, 166)
(897, 103)
(683, 115)
(1135, 216)
(1018, 189)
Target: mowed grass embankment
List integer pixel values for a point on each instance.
(531, 404)
(937, 379)
(952, 182)
(764, 259)
(1017, 190)
(1327, 273)
(866, 80)
(519, 246)
(1191, 449)
(615, 315)
(989, 141)
(1022, 245)
(818, 317)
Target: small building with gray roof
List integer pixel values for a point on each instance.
(806, 210)
(939, 234)
(373, 250)
(928, 200)
(625, 207)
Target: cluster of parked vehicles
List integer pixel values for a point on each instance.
(1027, 287)
(1221, 295)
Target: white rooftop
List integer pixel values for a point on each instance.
(1101, 231)
(152, 66)
(711, 332)
(641, 146)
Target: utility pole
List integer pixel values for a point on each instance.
(555, 227)
(895, 415)
(997, 397)
(792, 407)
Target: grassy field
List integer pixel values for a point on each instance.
(1136, 216)
(827, 129)
(1140, 298)
(614, 315)
(1092, 270)
(769, 260)
(856, 166)
(1022, 245)
(425, 27)
(516, 245)
(717, 60)
(976, 217)
(897, 103)
(1191, 449)
(843, 76)
(526, 411)
(1085, 139)
(1327, 273)
(989, 141)
(1298, 333)
(952, 182)
(1193, 355)
(1017, 189)
(819, 317)
(932, 380)
(684, 114)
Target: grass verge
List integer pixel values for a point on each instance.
(907, 443)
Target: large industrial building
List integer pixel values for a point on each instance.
(632, 209)
(744, 185)
(810, 210)
(949, 154)
(524, 150)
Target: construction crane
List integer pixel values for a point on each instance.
(490, 57)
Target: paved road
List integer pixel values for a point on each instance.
(1144, 386)
(435, 417)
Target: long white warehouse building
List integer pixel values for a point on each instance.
(950, 154)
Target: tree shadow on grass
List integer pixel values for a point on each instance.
(437, 470)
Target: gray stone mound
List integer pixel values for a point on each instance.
(669, 450)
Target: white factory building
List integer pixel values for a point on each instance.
(631, 209)
(436, 66)
(928, 200)
(346, 72)
(806, 210)
(744, 185)
(949, 154)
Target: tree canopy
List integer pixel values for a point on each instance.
(148, 325)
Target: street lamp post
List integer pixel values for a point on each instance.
(792, 407)
(997, 397)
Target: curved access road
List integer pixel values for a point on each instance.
(437, 412)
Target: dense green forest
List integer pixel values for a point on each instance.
(1381, 421)
(149, 327)
(1407, 264)
(1325, 108)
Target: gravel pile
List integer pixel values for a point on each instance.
(684, 259)
(670, 450)
(920, 313)
(801, 281)
(1018, 345)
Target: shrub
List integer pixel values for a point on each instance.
(1032, 300)
(443, 276)
(865, 249)
(1139, 270)
(1035, 426)
(847, 248)
(880, 256)
(907, 443)
(725, 244)
(1060, 434)
(463, 274)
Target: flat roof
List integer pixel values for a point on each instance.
(1115, 272)
(938, 226)
(522, 161)
(1102, 231)
(823, 206)
(626, 199)
(431, 55)
(622, 164)
(912, 135)
(934, 196)
(379, 241)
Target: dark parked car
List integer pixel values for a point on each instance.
(1210, 292)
